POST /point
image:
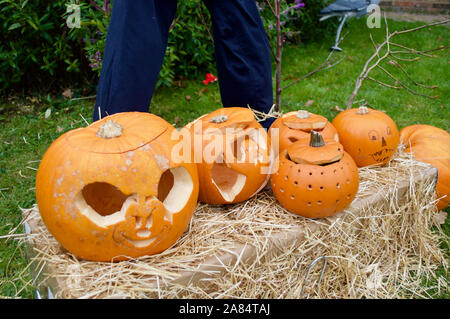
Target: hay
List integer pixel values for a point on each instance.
(380, 251)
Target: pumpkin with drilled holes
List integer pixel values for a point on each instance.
(369, 136)
(296, 127)
(431, 145)
(111, 191)
(232, 153)
(315, 180)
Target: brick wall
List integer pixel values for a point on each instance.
(417, 6)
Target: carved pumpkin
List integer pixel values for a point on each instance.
(315, 180)
(431, 145)
(369, 136)
(111, 191)
(232, 153)
(296, 127)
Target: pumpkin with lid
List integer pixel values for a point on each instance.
(111, 191)
(232, 153)
(296, 127)
(316, 180)
(369, 136)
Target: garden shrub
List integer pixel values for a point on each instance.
(38, 50)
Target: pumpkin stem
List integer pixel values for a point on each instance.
(302, 114)
(219, 119)
(110, 129)
(362, 110)
(316, 139)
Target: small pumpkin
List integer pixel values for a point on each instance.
(431, 145)
(232, 153)
(369, 136)
(111, 191)
(296, 127)
(316, 180)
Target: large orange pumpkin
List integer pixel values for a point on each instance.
(431, 145)
(232, 153)
(316, 180)
(296, 127)
(111, 191)
(369, 136)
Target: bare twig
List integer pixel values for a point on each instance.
(375, 60)
(410, 50)
(270, 6)
(404, 85)
(383, 84)
(84, 98)
(204, 21)
(279, 56)
(398, 65)
(333, 49)
(326, 65)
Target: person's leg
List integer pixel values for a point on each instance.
(242, 54)
(134, 52)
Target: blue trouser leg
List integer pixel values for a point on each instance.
(134, 52)
(136, 44)
(242, 54)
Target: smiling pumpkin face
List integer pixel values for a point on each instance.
(369, 136)
(110, 191)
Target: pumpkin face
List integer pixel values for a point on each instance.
(111, 191)
(369, 136)
(232, 153)
(431, 145)
(316, 180)
(296, 127)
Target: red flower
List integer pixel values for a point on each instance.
(209, 78)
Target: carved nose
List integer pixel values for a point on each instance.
(383, 142)
(149, 216)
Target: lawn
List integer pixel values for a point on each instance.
(27, 131)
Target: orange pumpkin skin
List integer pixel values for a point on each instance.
(313, 190)
(287, 135)
(114, 198)
(413, 133)
(431, 145)
(371, 137)
(222, 179)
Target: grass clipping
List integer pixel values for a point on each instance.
(384, 250)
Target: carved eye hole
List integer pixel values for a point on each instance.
(374, 135)
(292, 139)
(104, 198)
(104, 204)
(174, 190)
(249, 148)
(239, 150)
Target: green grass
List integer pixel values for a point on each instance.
(26, 133)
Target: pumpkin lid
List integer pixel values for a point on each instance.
(317, 152)
(118, 133)
(227, 117)
(304, 120)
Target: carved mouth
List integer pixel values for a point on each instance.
(227, 181)
(140, 243)
(382, 155)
